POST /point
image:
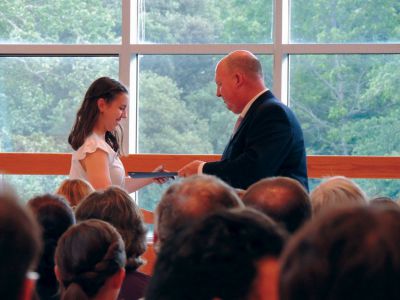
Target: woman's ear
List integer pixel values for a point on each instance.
(101, 104)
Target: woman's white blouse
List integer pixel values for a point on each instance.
(91, 144)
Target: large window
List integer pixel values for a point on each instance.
(336, 63)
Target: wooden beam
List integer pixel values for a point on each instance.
(318, 166)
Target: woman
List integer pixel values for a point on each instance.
(116, 207)
(90, 259)
(97, 135)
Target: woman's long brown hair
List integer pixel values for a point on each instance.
(86, 117)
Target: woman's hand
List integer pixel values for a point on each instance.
(161, 180)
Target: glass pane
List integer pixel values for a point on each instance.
(178, 109)
(29, 186)
(149, 196)
(40, 96)
(337, 21)
(372, 187)
(60, 22)
(347, 104)
(206, 21)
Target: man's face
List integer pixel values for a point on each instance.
(226, 87)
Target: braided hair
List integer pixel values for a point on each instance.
(86, 256)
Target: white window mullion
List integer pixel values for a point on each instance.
(281, 37)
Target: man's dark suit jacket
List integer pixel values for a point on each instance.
(269, 142)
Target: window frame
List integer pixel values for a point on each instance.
(130, 48)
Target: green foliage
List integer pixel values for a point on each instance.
(61, 21)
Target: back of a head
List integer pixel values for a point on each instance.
(87, 255)
(189, 200)
(55, 216)
(20, 246)
(115, 206)
(75, 190)
(336, 191)
(346, 253)
(216, 257)
(283, 199)
(384, 202)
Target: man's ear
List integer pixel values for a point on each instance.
(27, 289)
(239, 78)
(101, 104)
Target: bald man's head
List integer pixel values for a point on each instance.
(283, 199)
(189, 200)
(244, 61)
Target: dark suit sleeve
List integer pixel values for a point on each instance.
(261, 149)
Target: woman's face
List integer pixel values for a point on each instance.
(112, 113)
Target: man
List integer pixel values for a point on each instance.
(232, 254)
(189, 200)
(20, 246)
(267, 139)
(283, 199)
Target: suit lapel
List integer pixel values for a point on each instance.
(249, 115)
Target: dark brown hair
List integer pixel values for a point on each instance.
(87, 255)
(20, 245)
(55, 216)
(86, 117)
(344, 253)
(116, 207)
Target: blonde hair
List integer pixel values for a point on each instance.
(336, 191)
(75, 190)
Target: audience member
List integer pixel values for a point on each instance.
(116, 207)
(284, 199)
(55, 216)
(216, 258)
(336, 191)
(90, 259)
(348, 253)
(384, 202)
(75, 190)
(189, 200)
(20, 246)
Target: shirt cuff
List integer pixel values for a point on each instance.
(200, 168)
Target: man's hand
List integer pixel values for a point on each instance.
(190, 169)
